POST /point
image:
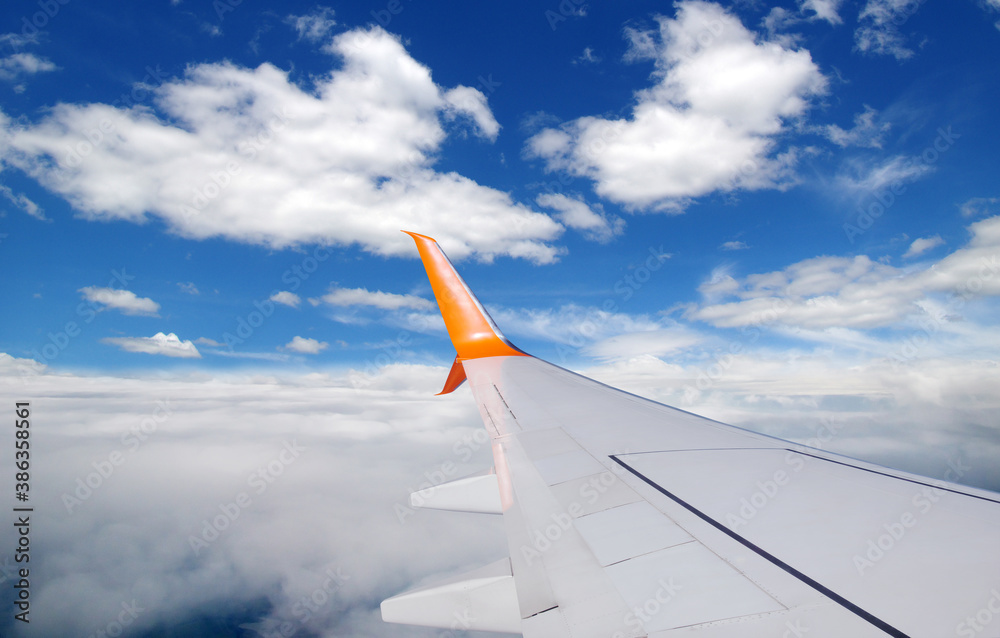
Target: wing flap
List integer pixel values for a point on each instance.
(483, 600)
(476, 494)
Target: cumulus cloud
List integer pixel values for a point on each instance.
(286, 298)
(577, 214)
(188, 287)
(922, 245)
(124, 300)
(304, 345)
(709, 123)
(347, 297)
(168, 345)
(248, 155)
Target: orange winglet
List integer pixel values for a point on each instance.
(456, 377)
(470, 327)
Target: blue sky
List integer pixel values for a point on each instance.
(859, 97)
(778, 214)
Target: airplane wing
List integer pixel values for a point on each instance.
(628, 518)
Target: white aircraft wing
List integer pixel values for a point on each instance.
(629, 518)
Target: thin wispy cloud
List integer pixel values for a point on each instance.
(350, 297)
(168, 345)
(124, 301)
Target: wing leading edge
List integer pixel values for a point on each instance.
(629, 518)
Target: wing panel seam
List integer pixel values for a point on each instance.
(829, 593)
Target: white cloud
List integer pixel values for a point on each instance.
(588, 57)
(857, 292)
(922, 245)
(304, 345)
(188, 287)
(571, 324)
(822, 9)
(315, 26)
(286, 298)
(189, 444)
(878, 31)
(464, 100)
(253, 356)
(166, 344)
(890, 173)
(867, 132)
(642, 44)
(248, 155)
(667, 341)
(123, 300)
(14, 66)
(363, 443)
(817, 293)
(347, 297)
(709, 123)
(576, 214)
(734, 245)
(979, 206)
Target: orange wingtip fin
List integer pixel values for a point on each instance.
(470, 327)
(456, 377)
